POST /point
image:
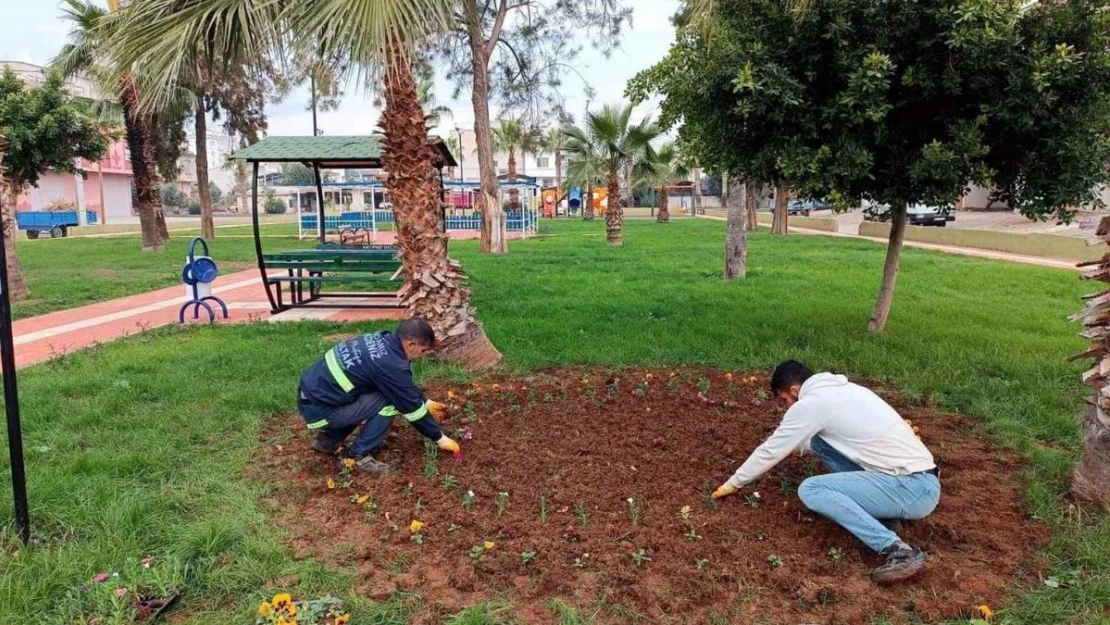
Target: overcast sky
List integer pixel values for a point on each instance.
(34, 30)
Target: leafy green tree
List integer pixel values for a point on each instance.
(46, 129)
(297, 175)
(171, 196)
(897, 103)
(216, 193)
(661, 169)
(611, 140)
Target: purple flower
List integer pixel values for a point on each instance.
(121, 592)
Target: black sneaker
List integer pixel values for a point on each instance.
(370, 464)
(901, 564)
(325, 444)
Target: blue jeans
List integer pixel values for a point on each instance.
(856, 499)
(366, 410)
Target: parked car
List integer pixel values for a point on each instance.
(803, 207)
(920, 215)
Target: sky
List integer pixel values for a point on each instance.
(34, 30)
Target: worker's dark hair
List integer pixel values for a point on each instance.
(787, 374)
(417, 329)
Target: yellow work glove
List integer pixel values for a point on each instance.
(437, 409)
(446, 444)
(724, 490)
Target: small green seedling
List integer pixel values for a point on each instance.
(431, 458)
(468, 500)
(692, 535)
(752, 500)
(640, 557)
(582, 514)
(543, 509)
(635, 510)
(449, 482)
(700, 563)
(476, 552)
(686, 513)
(527, 556)
(454, 527)
(707, 497)
(774, 561)
(836, 554)
(703, 385)
(408, 490)
(502, 502)
(580, 561)
(417, 539)
(787, 485)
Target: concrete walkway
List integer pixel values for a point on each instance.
(950, 249)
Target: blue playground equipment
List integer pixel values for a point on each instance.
(574, 200)
(198, 274)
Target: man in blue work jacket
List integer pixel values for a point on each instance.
(367, 381)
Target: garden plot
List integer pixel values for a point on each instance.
(593, 488)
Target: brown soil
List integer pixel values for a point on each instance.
(596, 441)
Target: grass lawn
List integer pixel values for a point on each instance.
(138, 448)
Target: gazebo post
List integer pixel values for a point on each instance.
(320, 207)
(258, 241)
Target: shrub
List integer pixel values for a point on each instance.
(194, 207)
(275, 206)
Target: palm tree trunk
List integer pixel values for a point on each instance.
(207, 225)
(588, 209)
(664, 214)
(890, 269)
(514, 194)
(782, 202)
(751, 202)
(17, 286)
(736, 243)
(493, 239)
(614, 216)
(435, 286)
(142, 168)
(1091, 478)
(559, 178)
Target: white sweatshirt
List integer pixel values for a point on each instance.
(852, 420)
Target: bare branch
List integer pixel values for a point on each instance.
(498, 22)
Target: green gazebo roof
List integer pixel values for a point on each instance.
(330, 152)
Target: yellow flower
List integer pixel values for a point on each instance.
(361, 499)
(450, 394)
(728, 376)
(496, 387)
(283, 602)
(349, 463)
(673, 374)
(416, 526)
(282, 621)
(488, 545)
(986, 611)
(331, 484)
(265, 608)
(343, 619)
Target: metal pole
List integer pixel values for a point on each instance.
(258, 242)
(11, 403)
(320, 198)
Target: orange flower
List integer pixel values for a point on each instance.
(416, 526)
(343, 619)
(986, 611)
(450, 394)
(496, 387)
(349, 463)
(362, 499)
(331, 484)
(265, 608)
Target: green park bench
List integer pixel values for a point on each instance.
(328, 263)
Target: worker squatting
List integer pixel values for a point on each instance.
(879, 472)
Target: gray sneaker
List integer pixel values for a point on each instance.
(370, 464)
(901, 564)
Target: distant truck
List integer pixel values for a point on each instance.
(56, 223)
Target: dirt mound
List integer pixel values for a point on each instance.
(581, 484)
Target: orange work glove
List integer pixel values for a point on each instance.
(437, 409)
(724, 490)
(446, 444)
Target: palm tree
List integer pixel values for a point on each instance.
(610, 136)
(556, 141)
(382, 38)
(508, 137)
(660, 169)
(87, 53)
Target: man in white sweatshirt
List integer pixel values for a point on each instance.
(878, 469)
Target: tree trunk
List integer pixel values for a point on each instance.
(588, 209)
(614, 216)
(493, 239)
(559, 178)
(1091, 478)
(142, 168)
(696, 200)
(890, 269)
(751, 203)
(17, 286)
(664, 214)
(781, 216)
(241, 183)
(434, 284)
(736, 243)
(207, 226)
(514, 194)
